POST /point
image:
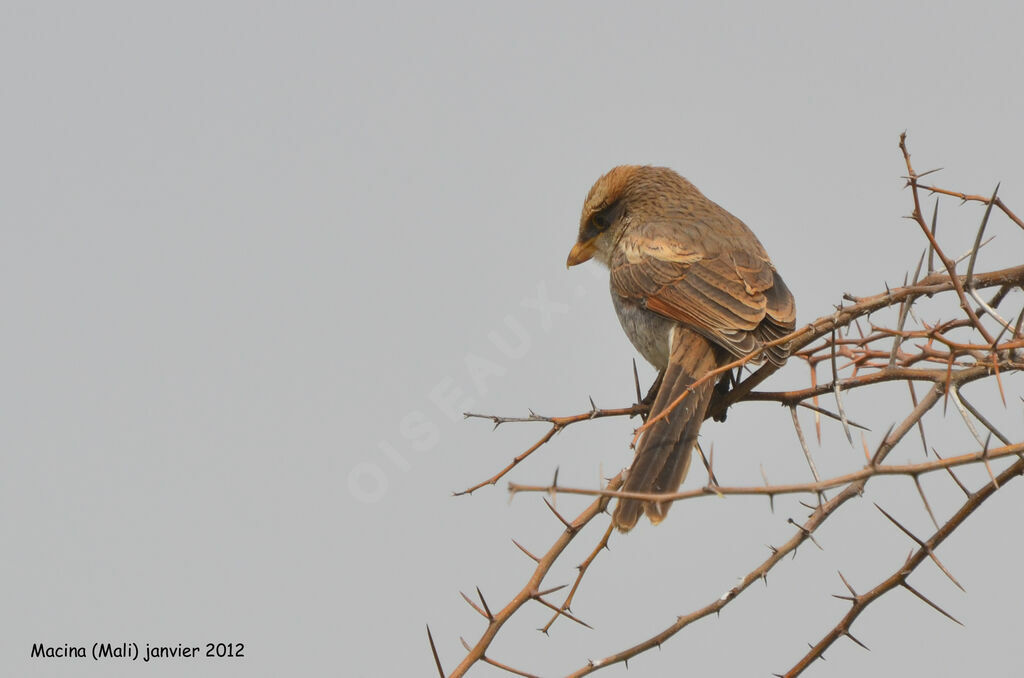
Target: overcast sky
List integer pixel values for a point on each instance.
(253, 257)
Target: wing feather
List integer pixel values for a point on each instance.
(729, 293)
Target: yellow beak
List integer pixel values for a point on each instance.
(581, 251)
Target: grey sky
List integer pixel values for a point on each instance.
(243, 244)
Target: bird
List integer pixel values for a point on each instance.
(693, 289)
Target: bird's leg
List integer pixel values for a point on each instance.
(722, 389)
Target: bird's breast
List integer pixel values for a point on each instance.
(650, 333)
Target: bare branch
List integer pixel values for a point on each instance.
(866, 342)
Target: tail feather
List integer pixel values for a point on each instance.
(663, 454)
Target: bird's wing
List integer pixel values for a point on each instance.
(722, 285)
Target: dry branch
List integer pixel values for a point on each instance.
(981, 342)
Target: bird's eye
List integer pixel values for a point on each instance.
(604, 217)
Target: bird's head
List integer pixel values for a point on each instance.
(604, 216)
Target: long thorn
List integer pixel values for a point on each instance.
(931, 249)
(558, 515)
(934, 606)
(433, 649)
(969, 280)
(803, 444)
(523, 549)
(924, 499)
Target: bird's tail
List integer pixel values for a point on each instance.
(663, 454)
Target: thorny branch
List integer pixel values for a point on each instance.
(982, 343)
(899, 577)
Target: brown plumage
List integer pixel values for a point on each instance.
(693, 289)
